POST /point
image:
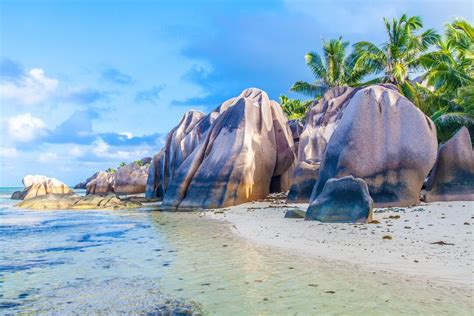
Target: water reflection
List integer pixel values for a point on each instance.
(133, 261)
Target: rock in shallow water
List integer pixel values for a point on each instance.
(65, 202)
(452, 177)
(38, 185)
(343, 200)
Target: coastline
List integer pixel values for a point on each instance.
(416, 250)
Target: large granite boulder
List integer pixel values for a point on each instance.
(321, 122)
(296, 127)
(132, 178)
(241, 151)
(83, 185)
(102, 184)
(385, 140)
(37, 185)
(452, 177)
(343, 200)
(180, 142)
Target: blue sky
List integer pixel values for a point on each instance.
(85, 85)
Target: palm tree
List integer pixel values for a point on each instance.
(447, 91)
(334, 68)
(399, 56)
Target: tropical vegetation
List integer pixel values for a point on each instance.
(334, 68)
(110, 170)
(435, 72)
(294, 109)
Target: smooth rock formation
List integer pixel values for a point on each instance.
(71, 201)
(180, 142)
(343, 200)
(385, 140)
(37, 185)
(296, 127)
(132, 178)
(16, 195)
(452, 177)
(83, 185)
(240, 152)
(321, 122)
(102, 184)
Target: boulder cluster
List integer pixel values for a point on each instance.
(128, 179)
(359, 148)
(373, 145)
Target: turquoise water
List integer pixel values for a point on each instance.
(137, 261)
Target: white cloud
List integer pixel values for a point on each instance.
(126, 134)
(100, 148)
(104, 151)
(75, 151)
(347, 17)
(25, 127)
(32, 88)
(8, 152)
(47, 157)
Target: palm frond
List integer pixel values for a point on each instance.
(309, 89)
(315, 63)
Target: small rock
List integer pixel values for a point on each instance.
(295, 214)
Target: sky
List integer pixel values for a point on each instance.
(85, 85)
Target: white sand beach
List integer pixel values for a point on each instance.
(430, 241)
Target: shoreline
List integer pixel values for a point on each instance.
(431, 241)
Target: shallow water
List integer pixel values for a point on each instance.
(83, 262)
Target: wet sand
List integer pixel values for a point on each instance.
(430, 242)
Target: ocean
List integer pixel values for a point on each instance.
(147, 262)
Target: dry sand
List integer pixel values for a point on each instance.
(431, 241)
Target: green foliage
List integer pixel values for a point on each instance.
(399, 55)
(122, 164)
(445, 88)
(294, 109)
(334, 68)
(139, 163)
(444, 91)
(110, 170)
(447, 91)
